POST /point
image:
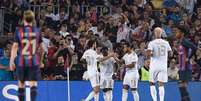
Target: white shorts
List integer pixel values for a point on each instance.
(94, 80)
(106, 83)
(158, 75)
(131, 79)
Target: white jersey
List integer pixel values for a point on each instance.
(159, 48)
(129, 59)
(91, 56)
(107, 67)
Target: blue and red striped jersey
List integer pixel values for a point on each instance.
(185, 52)
(29, 40)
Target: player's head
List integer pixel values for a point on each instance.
(29, 17)
(157, 32)
(104, 51)
(180, 32)
(92, 43)
(126, 47)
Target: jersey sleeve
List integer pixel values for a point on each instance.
(150, 46)
(134, 58)
(168, 47)
(84, 56)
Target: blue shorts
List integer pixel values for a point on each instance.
(28, 73)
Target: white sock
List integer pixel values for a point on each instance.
(108, 95)
(124, 95)
(153, 93)
(90, 96)
(161, 93)
(135, 95)
(96, 97)
(105, 96)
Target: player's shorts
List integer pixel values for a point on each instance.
(95, 80)
(158, 75)
(28, 73)
(131, 79)
(185, 75)
(106, 83)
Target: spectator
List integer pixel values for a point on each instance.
(173, 71)
(5, 74)
(144, 71)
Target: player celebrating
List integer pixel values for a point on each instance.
(106, 71)
(25, 48)
(90, 57)
(129, 61)
(158, 51)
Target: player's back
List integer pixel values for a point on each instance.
(91, 56)
(28, 39)
(160, 50)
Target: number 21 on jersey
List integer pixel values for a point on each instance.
(29, 44)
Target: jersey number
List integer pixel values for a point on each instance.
(28, 44)
(161, 50)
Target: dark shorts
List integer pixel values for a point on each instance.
(28, 73)
(185, 75)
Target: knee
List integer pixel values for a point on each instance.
(125, 87)
(160, 84)
(182, 84)
(151, 84)
(33, 83)
(96, 90)
(21, 84)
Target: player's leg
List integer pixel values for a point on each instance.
(96, 88)
(125, 92)
(21, 86)
(108, 89)
(107, 94)
(161, 91)
(34, 74)
(152, 76)
(184, 77)
(133, 86)
(162, 78)
(125, 87)
(33, 86)
(21, 91)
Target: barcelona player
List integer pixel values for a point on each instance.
(25, 55)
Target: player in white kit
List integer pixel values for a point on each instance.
(90, 57)
(129, 61)
(106, 64)
(158, 50)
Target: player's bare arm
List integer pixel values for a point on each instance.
(132, 65)
(42, 55)
(13, 55)
(105, 57)
(119, 61)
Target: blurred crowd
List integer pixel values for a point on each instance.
(65, 34)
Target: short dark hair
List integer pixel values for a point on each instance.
(104, 49)
(127, 44)
(91, 42)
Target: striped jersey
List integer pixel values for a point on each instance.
(29, 40)
(185, 51)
